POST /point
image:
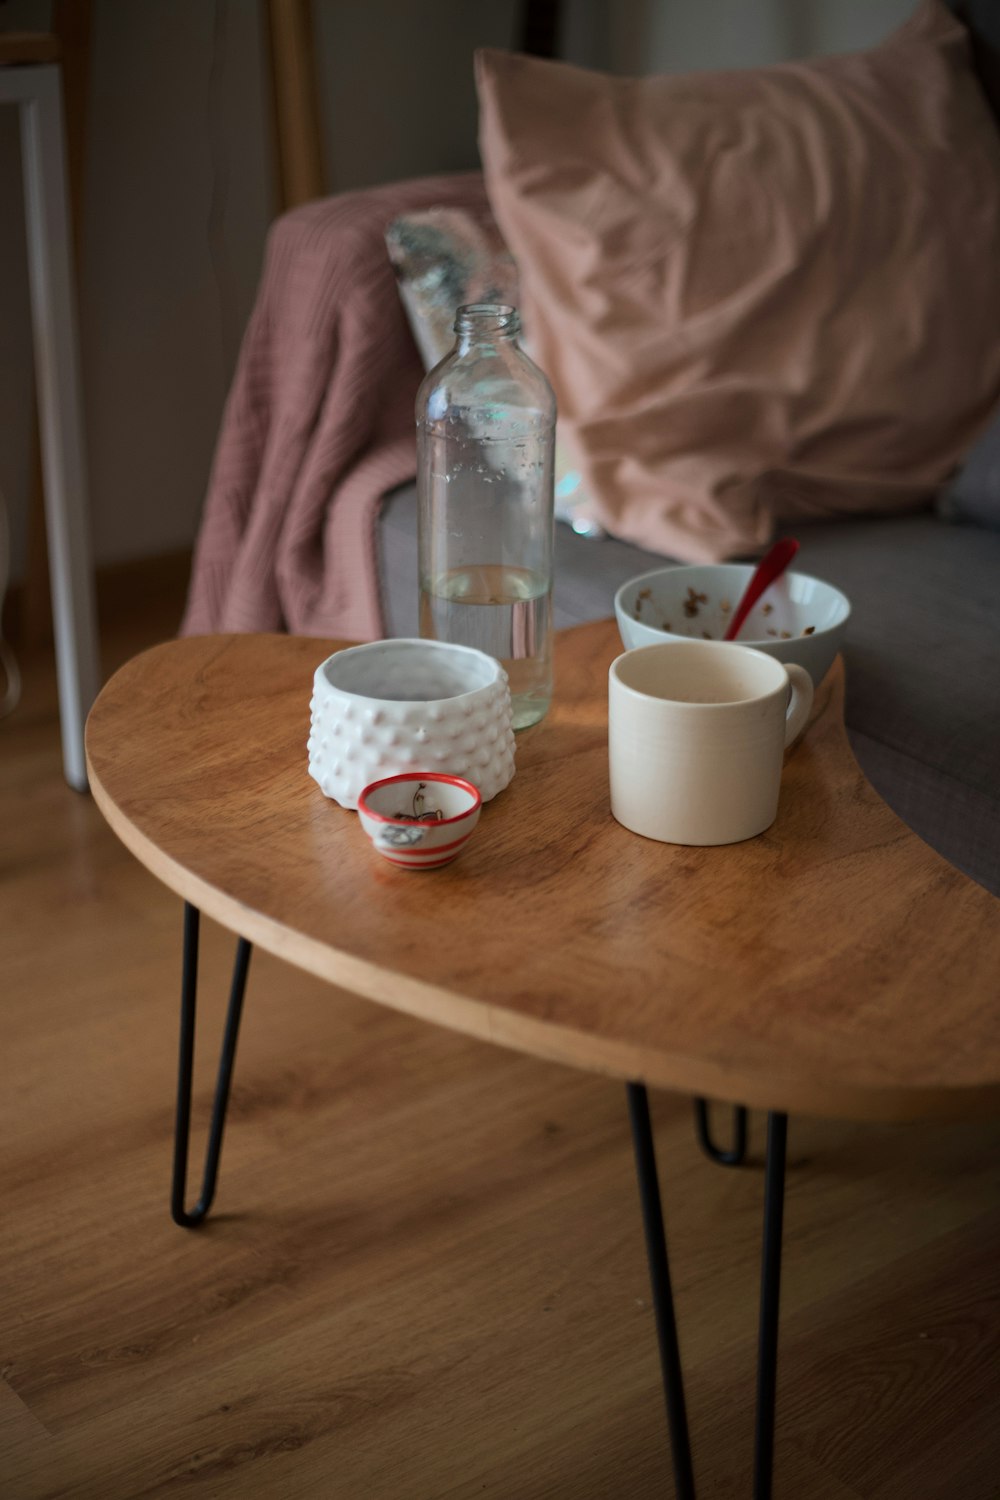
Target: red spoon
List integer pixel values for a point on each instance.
(770, 567)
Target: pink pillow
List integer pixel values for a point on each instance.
(761, 296)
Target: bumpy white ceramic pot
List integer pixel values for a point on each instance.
(409, 705)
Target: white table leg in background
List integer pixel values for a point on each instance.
(37, 91)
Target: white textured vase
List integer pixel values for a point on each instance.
(409, 705)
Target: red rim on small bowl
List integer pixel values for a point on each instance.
(411, 776)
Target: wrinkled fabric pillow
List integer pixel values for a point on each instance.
(443, 258)
(762, 295)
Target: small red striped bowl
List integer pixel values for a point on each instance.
(420, 820)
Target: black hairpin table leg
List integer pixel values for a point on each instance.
(663, 1301)
(736, 1155)
(770, 1290)
(189, 993)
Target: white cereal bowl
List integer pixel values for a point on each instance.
(393, 707)
(798, 619)
(419, 821)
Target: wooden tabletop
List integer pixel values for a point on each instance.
(835, 965)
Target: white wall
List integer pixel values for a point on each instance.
(399, 98)
(677, 36)
(179, 192)
(178, 195)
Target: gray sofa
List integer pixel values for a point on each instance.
(922, 654)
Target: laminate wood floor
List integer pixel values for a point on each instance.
(425, 1277)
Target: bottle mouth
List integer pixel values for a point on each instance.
(488, 318)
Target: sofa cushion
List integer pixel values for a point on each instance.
(974, 493)
(922, 654)
(761, 294)
(982, 18)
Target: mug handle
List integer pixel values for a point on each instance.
(799, 702)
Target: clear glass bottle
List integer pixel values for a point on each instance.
(485, 437)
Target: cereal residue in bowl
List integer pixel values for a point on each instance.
(693, 604)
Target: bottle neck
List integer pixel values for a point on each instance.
(485, 325)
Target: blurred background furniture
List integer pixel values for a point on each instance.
(30, 79)
(295, 102)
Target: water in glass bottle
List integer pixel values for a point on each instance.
(485, 438)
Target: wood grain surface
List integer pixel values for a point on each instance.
(424, 1276)
(835, 965)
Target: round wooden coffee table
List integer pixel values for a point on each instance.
(833, 966)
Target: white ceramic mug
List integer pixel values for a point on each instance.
(696, 732)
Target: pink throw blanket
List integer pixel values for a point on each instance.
(318, 425)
